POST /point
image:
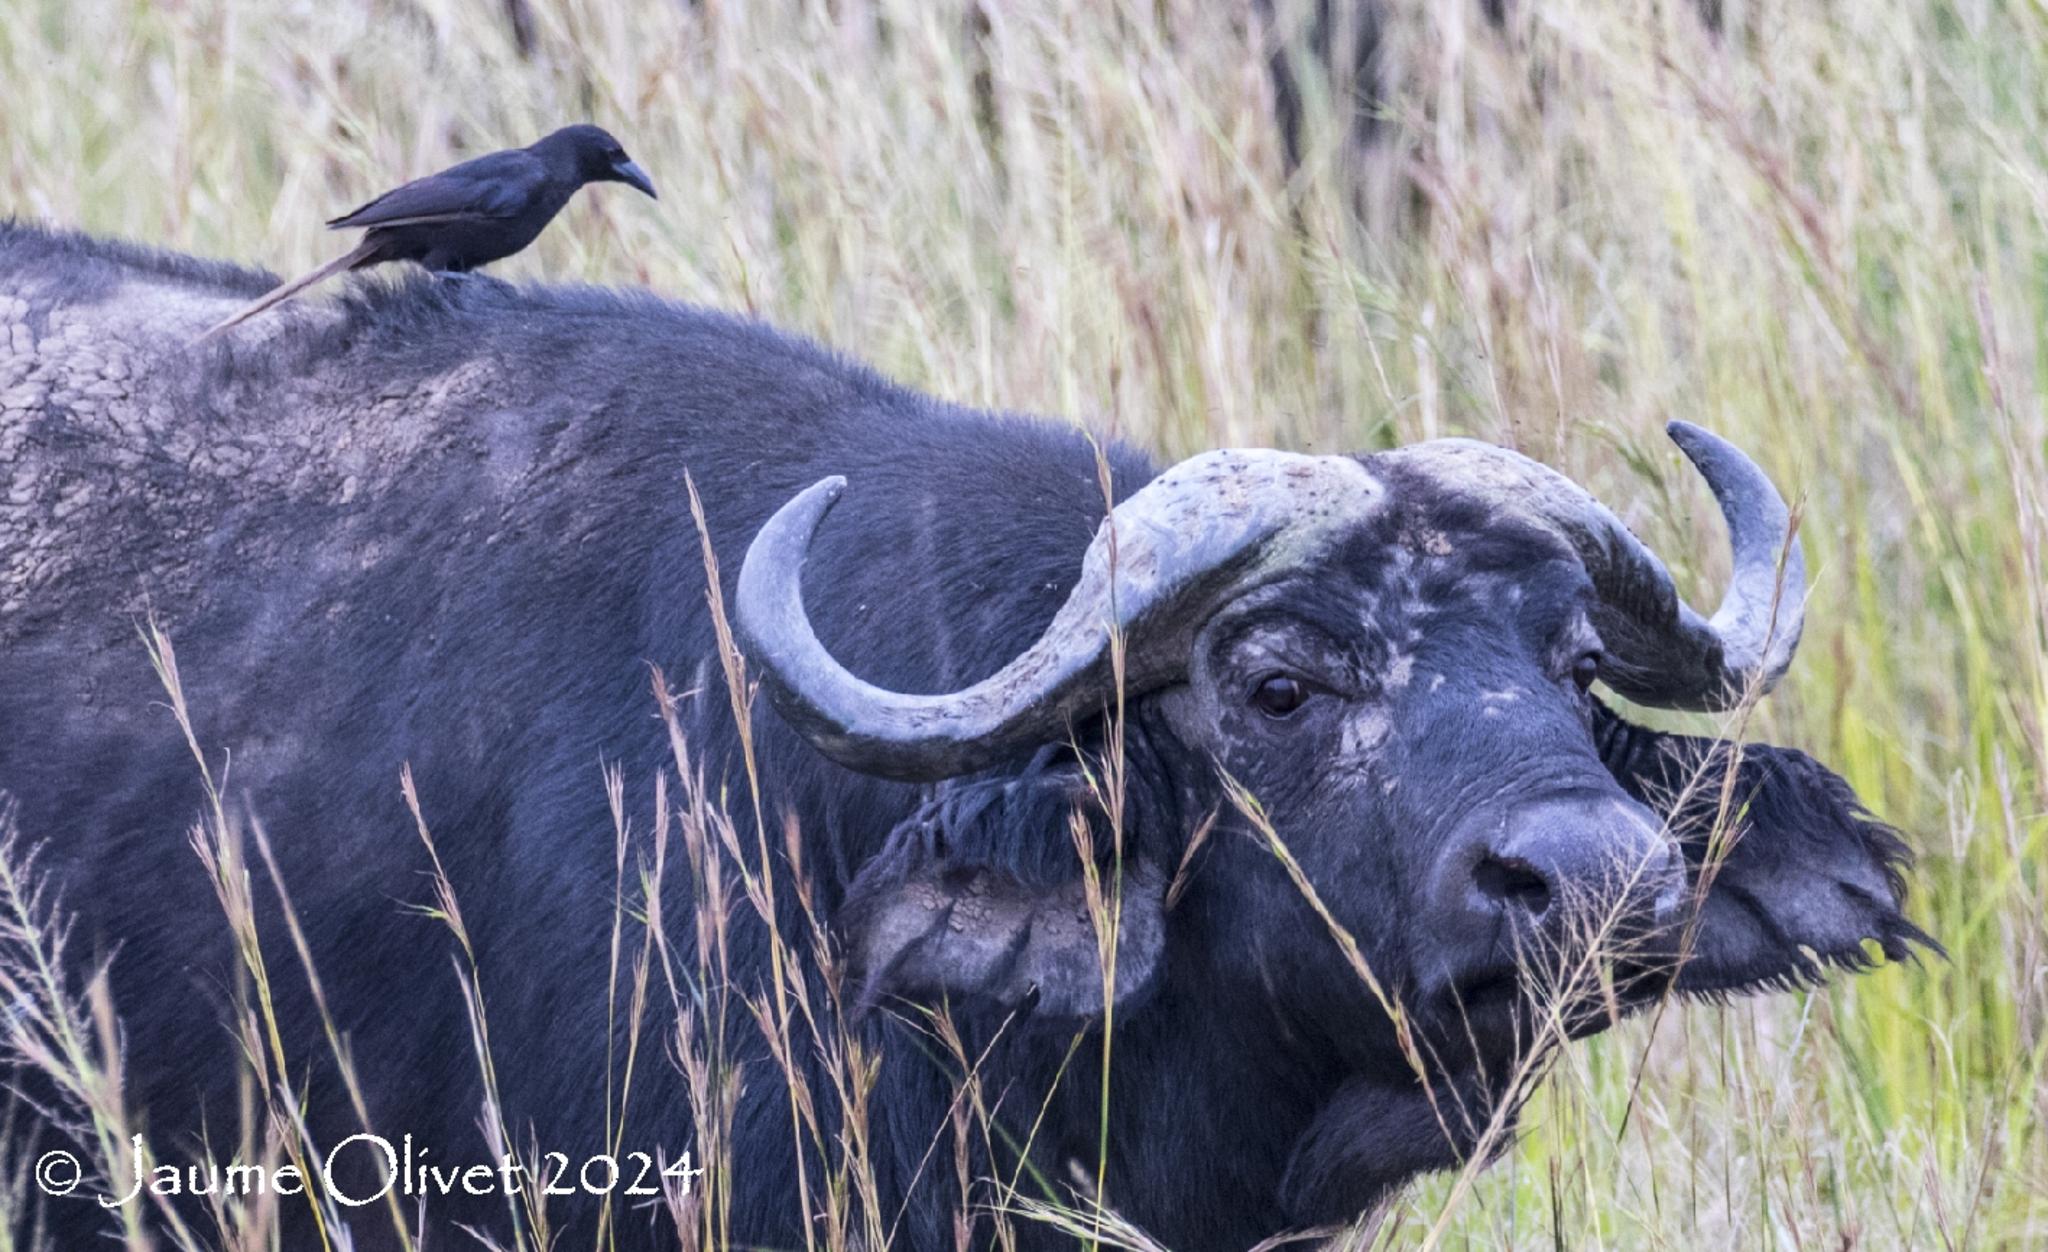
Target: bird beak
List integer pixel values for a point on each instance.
(630, 173)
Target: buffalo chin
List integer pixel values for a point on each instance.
(1491, 1018)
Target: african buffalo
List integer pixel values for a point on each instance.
(447, 524)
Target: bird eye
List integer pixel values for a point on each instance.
(1279, 695)
(1585, 670)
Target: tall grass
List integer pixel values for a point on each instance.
(1822, 232)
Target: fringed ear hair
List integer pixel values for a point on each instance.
(947, 911)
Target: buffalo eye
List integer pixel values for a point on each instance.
(1279, 695)
(1585, 670)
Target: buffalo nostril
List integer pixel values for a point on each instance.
(1512, 880)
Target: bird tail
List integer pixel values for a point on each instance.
(285, 291)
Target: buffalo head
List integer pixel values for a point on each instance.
(1388, 662)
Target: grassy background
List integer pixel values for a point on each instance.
(1823, 232)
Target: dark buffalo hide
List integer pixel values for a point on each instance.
(446, 526)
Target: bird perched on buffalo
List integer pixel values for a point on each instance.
(471, 214)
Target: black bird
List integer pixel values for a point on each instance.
(471, 214)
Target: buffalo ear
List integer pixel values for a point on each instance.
(947, 912)
(1806, 879)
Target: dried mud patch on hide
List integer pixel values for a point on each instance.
(122, 446)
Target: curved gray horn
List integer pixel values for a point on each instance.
(1659, 650)
(1158, 567)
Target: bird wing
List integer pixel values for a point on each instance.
(493, 186)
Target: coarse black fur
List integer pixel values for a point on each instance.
(91, 267)
(446, 527)
(1759, 836)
